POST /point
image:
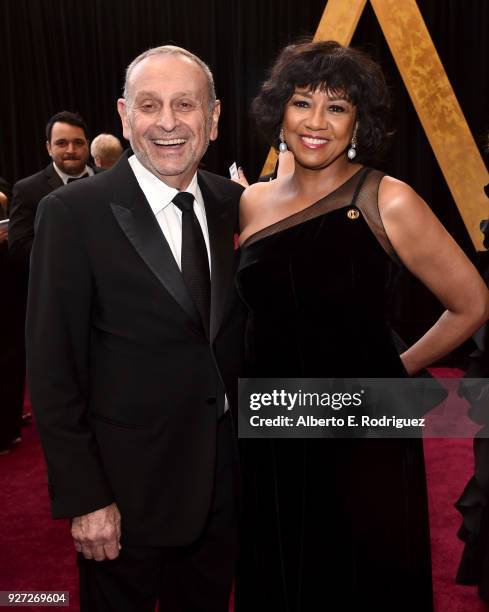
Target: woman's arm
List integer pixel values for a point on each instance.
(431, 254)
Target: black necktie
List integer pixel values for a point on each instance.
(195, 262)
(71, 179)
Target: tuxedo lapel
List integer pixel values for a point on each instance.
(53, 178)
(220, 222)
(137, 221)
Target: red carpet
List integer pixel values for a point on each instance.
(449, 464)
(36, 553)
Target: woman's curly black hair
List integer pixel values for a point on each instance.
(327, 66)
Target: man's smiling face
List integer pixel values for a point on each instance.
(167, 117)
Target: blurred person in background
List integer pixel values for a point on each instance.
(11, 354)
(473, 504)
(67, 146)
(105, 149)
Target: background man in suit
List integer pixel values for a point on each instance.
(133, 354)
(106, 150)
(67, 145)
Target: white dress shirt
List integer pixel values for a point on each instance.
(169, 216)
(64, 177)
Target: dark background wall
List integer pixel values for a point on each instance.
(71, 54)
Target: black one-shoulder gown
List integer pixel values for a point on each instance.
(334, 524)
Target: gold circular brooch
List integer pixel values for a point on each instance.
(353, 213)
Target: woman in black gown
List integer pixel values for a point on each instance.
(337, 525)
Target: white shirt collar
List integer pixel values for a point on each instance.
(157, 192)
(64, 177)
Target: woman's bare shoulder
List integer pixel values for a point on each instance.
(397, 197)
(411, 226)
(256, 207)
(257, 194)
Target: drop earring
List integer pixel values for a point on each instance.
(282, 147)
(352, 151)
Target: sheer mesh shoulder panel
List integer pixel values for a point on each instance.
(367, 204)
(360, 191)
(341, 197)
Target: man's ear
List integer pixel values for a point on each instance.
(216, 111)
(122, 110)
(48, 147)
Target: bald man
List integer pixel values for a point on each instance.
(135, 338)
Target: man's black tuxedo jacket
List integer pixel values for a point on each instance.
(27, 194)
(125, 385)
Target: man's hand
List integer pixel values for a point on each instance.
(97, 534)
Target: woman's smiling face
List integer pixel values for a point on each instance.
(318, 126)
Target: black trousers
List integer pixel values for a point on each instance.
(194, 578)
